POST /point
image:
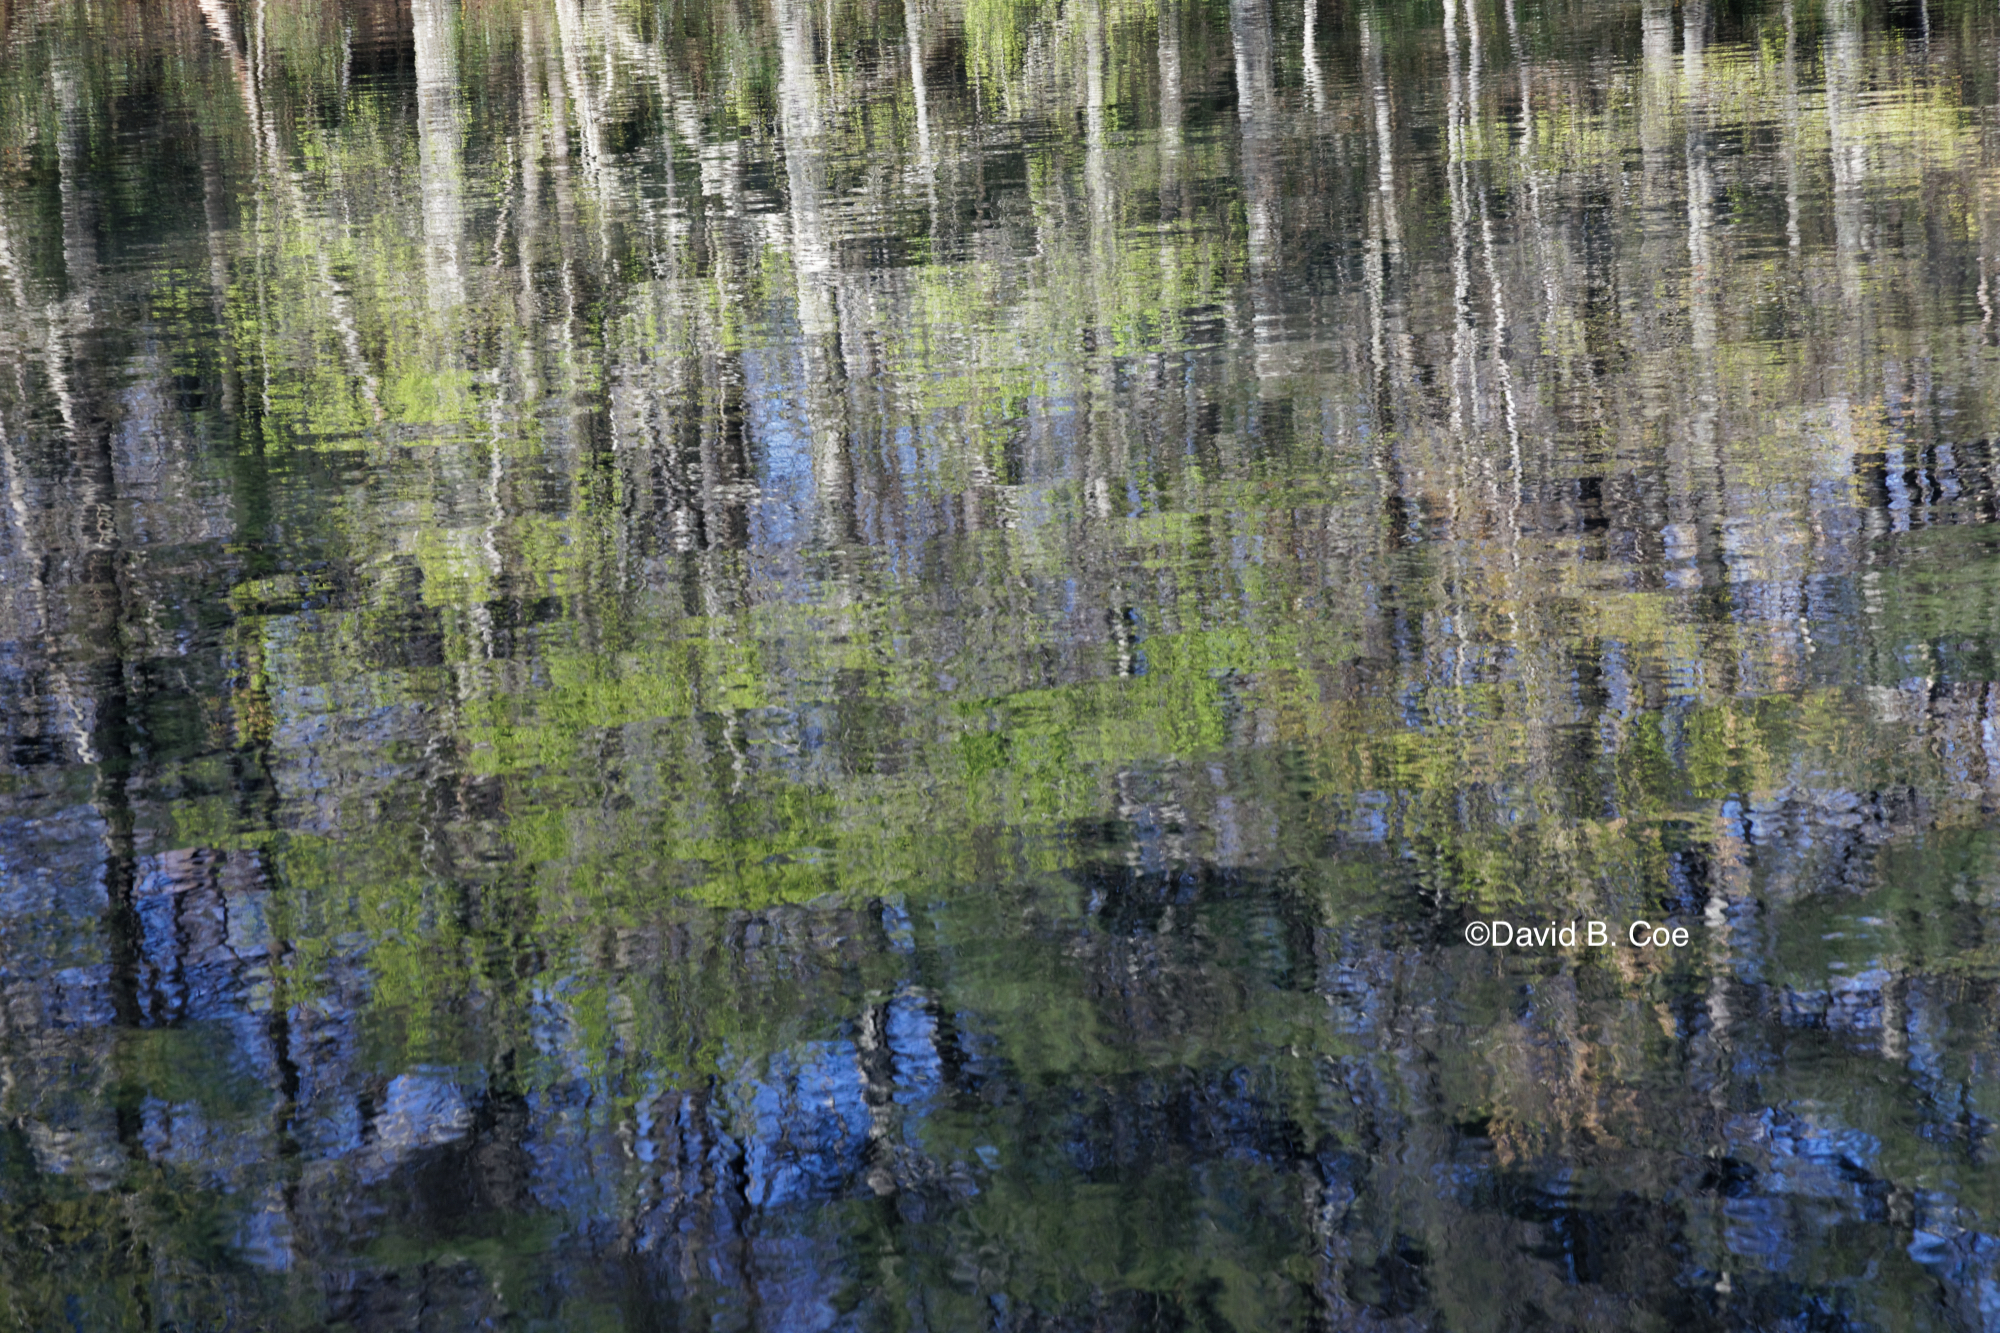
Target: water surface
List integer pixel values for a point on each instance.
(857, 664)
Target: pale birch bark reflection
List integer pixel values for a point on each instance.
(1790, 113)
(1464, 396)
(1098, 422)
(802, 115)
(1256, 119)
(913, 37)
(1703, 479)
(1309, 59)
(1172, 146)
(441, 172)
(1847, 145)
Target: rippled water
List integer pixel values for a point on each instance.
(864, 665)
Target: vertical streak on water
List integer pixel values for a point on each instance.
(28, 545)
(1309, 58)
(1173, 207)
(511, 380)
(801, 115)
(66, 362)
(1385, 153)
(1545, 244)
(927, 162)
(273, 175)
(1705, 480)
(666, 219)
(91, 669)
(1171, 97)
(670, 402)
(913, 36)
(1496, 295)
(572, 37)
(79, 243)
(440, 173)
(528, 229)
(1463, 382)
(1464, 336)
(722, 434)
(1388, 347)
(1096, 170)
(1472, 143)
(1531, 177)
(1472, 67)
(10, 260)
(1789, 108)
(1847, 152)
(1384, 239)
(1847, 148)
(561, 182)
(1250, 34)
(222, 28)
(1172, 149)
(1989, 226)
(1651, 317)
(1098, 423)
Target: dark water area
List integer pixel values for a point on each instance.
(874, 664)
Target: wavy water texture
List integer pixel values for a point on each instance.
(833, 664)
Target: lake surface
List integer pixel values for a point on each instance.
(809, 664)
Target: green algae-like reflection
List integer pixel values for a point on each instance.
(795, 665)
